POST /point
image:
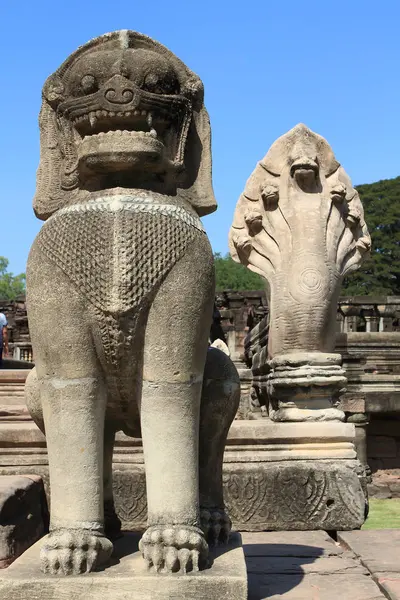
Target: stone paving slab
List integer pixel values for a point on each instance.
(304, 565)
(309, 565)
(313, 587)
(390, 587)
(378, 549)
(290, 543)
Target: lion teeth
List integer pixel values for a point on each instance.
(153, 132)
(92, 119)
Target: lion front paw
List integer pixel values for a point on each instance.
(173, 549)
(216, 525)
(74, 551)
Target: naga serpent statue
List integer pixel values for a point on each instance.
(120, 291)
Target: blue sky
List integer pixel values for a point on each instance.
(266, 66)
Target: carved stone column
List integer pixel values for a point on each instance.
(371, 320)
(386, 315)
(351, 315)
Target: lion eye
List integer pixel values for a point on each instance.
(88, 83)
(159, 84)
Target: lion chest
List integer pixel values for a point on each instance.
(117, 255)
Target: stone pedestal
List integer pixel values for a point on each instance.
(294, 476)
(129, 579)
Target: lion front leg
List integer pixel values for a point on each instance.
(73, 410)
(174, 357)
(69, 384)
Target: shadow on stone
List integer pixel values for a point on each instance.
(275, 569)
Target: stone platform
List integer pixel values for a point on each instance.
(277, 476)
(129, 579)
(288, 565)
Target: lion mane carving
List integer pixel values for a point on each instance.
(120, 289)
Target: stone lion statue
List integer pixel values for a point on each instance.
(120, 291)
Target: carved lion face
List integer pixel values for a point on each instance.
(124, 111)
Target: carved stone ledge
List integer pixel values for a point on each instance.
(276, 475)
(295, 495)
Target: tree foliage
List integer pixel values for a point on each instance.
(230, 275)
(11, 285)
(380, 273)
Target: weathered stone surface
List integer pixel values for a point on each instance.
(124, 176)
(293, 565)
(312, 587)
(261, 478)
(271, 495)
(292, 494)
(390, 586)
(23, 514)
(304, 566)
(128, 578)
(378, 549)
(295, 495)
(380, 491)
(290, 543)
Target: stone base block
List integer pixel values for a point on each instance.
(128, 579)
(295, 495)
(22, 515)
(277, 476)
(287, 495)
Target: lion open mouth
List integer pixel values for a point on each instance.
(119, 140)
(104, 122)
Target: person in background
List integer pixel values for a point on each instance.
(3, 337)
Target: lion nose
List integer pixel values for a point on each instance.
(119, 90)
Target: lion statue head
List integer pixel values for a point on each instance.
(123, 111)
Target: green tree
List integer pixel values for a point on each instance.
(11, 285)
(380, 273)
(233, 276)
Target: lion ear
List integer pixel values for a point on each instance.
(53, 90)
(196, 186)
(49, 196)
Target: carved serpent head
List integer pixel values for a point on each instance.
(300, 224)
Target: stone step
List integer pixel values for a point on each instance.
(17, 412)
(12, 400)
(13, 375)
